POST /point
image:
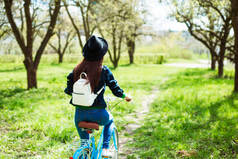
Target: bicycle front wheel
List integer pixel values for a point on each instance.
(83, 153)
(114, 144)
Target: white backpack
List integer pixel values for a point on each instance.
(82, 94)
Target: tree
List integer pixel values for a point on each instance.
(65, 34)
(4, 26)
(113, 23)
(86, 12)
(188, 14)
(223, 9)
(135, 24)
(116, 22)
(210, 23)
(61, 48)
(234, 6)
(26, 43)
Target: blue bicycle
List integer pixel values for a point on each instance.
(88, 148)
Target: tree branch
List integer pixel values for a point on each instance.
(119, 46)
(39, 25)
(3, 33)
(53, 47)
(74, 25)
(22, 20)
(48, 34)
(208, 3)
(84, 22)
(15, 30)
(68, 40)
(29, 36)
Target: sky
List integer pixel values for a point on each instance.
(158, 17)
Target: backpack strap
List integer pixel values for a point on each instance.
(100, 90)
(81, 75)
(84, 74)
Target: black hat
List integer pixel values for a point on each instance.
(95, 48)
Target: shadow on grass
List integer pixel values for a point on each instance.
(194, 77)
(122, 65)
(213, 108)
(12, 69)
(7, 93)
(218, 131)
(15, 98)
(127, 65)
(4, 93)
(55, 64)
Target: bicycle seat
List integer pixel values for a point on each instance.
(88, 125)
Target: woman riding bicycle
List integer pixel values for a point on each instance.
(98, 76)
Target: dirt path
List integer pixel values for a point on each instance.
(199, 64)
(139, 115)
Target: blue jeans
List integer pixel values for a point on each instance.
(100, 116)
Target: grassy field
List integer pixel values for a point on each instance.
(194, 116)
(194, 112)
(38, 123)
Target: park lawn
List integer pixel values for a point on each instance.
(38, 123)
(194, 116)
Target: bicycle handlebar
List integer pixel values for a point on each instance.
(110, 99)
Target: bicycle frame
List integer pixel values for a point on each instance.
(99, 147)
(96, 152)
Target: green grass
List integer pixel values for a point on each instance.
(39, 123)
(194, 116)
(195, 112)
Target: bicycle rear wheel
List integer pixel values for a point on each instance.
(83, 153)
(114, 144)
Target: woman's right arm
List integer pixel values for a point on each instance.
(112, 84)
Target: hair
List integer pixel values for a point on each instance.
(93, 70)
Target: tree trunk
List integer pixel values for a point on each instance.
(213, 62)
(131, 49)
(236, 74)
(131, 57)
(31, 73)
(234, 5)
(221, 59)
(222, 54)
(220, 66)
(115, 64)
(60, 58)
(31, 78)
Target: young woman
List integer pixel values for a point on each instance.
(99, 76)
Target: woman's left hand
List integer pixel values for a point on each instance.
(128, 99)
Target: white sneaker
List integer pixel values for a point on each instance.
(106, 153)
